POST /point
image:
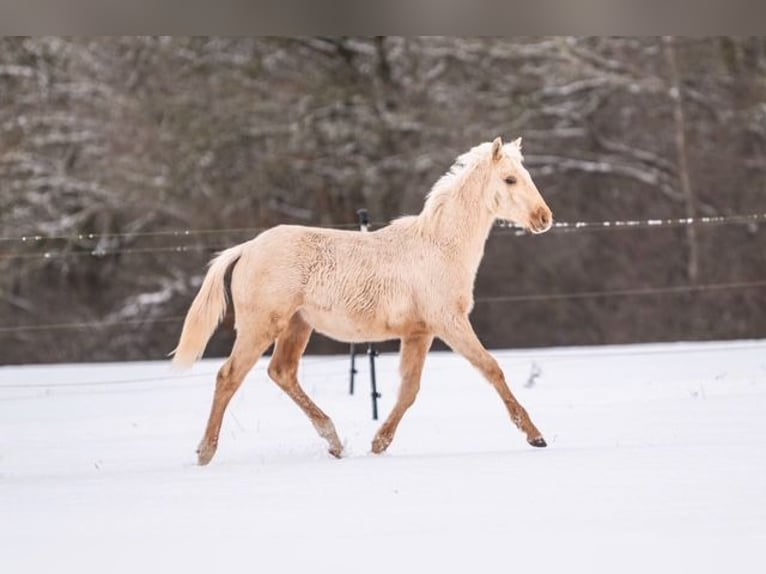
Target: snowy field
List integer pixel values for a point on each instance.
(656, 463)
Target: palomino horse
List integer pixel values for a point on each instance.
(412, 280)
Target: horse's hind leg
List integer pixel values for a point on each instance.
(414, 351)
(462, 339)
(283, 369)
(246, 352)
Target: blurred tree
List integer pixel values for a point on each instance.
(103, 139)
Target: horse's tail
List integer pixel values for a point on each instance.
(207, 309)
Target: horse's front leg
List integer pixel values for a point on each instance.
(460, 336)
(414, 351)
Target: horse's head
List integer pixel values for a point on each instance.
(513, 195)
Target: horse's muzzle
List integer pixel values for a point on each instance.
(541, 220)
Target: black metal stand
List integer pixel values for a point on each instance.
(373, 384)
(353, 370)
(364, 223)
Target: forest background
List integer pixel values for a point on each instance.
(109, 146)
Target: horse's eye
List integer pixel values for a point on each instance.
(510, 180)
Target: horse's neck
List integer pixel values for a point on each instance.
(462, 226)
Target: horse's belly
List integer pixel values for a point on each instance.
(342, 327)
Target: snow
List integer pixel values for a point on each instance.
(656, 463)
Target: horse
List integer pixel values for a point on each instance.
(412, 280)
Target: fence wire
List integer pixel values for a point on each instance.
(624, 292)
(564, 227)
(520, 298)
(102, 253)
(37, 241)
(308, 376)
(32, 238)
(630, 224)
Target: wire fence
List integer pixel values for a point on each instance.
(100, 253)
(90, 324)
(209, 375)
(520, 298)
(308, 376)
(635, 224)
(38, 242)
(563, 227)
(38, 237)
(638, 291)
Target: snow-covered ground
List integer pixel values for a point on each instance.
(656, 463)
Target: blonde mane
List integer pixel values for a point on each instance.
(462, 171)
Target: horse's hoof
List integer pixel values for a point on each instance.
(336, 452)
(379, 445)
(538, 442)
(205, 454)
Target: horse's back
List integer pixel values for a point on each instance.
(349, 285)
(294, 258)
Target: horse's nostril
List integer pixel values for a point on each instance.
(545, 218)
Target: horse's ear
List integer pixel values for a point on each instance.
(517, 143)
(497, 148)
